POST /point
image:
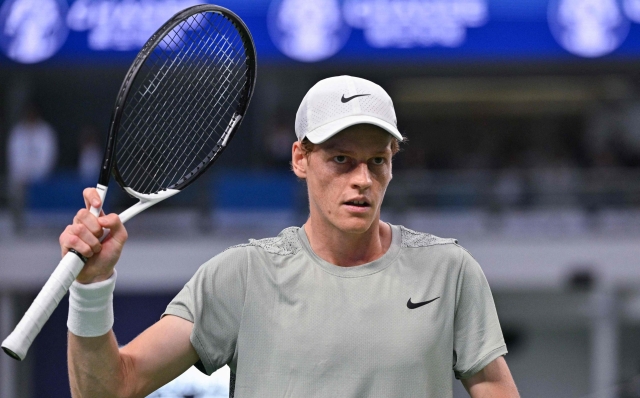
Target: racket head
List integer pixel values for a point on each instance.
(182, 100)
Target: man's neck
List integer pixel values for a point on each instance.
(348, 249)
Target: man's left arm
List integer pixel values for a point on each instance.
(493, 381)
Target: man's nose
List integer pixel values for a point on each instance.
(361, 177)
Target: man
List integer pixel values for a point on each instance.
(346, 306)
(32, 152)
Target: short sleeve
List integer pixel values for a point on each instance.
(478, 337)
(213, 300)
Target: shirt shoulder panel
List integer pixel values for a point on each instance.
(411, 238)
(285, 244)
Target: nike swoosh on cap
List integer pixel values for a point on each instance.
(412, 306)
(347, 99)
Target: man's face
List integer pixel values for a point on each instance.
(347, 177)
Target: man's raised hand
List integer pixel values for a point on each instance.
(84, 237)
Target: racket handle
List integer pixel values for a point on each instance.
(18, 342)
(102, 191)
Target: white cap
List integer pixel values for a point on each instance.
(336, 103)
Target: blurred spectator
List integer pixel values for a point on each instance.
(90, 153)
(32, 154)
(509, 188)
(613, 133)
(278, 143)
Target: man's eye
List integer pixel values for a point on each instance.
(378, 161)
(340, 159)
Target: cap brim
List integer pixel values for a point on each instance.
(326, 131)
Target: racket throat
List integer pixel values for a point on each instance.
(232, 125)
(146, 201)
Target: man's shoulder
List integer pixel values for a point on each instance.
(440, 249)
(285, 244)
(415, 239)
(448, 247)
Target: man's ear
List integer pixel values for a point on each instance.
(299, 161)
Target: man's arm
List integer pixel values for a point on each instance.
(493, 381)
(97, 368)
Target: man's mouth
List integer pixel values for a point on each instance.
(358, 203)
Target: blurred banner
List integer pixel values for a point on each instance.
(111, 31)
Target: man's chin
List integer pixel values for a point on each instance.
(355, 225)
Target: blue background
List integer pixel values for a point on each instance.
(516, 30)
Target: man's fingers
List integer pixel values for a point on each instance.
(72, 238)
(87, 236)
(117, 230)
(87, 219)
(91, 198)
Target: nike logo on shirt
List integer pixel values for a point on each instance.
(413, 306)
(347, 99)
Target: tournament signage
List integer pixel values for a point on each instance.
(312, 31)
(110, 31)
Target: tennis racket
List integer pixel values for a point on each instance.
(180, 103)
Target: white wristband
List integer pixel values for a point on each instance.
(91, 307)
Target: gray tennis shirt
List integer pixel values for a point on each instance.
(290, 324)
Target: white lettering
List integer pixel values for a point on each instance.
(122, 25)
(415, 23)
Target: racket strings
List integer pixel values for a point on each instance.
(194, 137)
(183, 101)
(190, 99)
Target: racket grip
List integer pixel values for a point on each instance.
(18, 342)
(102, 192)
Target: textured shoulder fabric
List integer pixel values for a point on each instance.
(285, 244)
(411, 238)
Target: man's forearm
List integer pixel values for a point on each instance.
(493, 381)
(96, 368)
(494, 390)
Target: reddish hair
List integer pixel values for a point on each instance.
(308, 146)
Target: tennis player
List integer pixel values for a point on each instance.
(344, 306)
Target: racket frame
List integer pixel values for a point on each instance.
(142, 56)
(19, 341)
